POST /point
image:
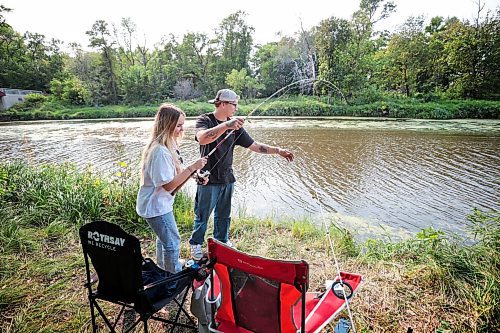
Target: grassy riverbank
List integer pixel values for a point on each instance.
(44, 109)
(432, 282)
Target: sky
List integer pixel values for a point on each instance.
(68, 20)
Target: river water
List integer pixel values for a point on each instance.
(373, 176)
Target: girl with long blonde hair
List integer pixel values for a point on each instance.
(161, 176)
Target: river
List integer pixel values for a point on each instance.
(383, 177)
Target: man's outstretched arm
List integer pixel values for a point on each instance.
(266, 149)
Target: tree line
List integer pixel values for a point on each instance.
(446, 58)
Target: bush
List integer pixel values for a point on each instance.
(368, 96)
(70, 91)
(35, 100)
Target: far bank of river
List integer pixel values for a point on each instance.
(310, 106)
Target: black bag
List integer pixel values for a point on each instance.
(152, 273)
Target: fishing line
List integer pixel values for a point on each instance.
(331, 242)
(284, 90)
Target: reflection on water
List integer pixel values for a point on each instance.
(373, 176)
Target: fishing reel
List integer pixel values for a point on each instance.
(201, 176)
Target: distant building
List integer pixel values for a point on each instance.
(9, 97)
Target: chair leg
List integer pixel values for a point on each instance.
(92, 315)
(103, 316)
(181, 309)
(178, 313)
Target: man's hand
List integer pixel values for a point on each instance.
(288, 155)
(236, 123)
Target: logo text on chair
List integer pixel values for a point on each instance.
(104, 241)
(249, 264)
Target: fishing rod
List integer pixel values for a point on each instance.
(203, 175)
(286, 88)
(255, 109)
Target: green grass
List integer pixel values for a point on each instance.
(433, 282)
(284, 106)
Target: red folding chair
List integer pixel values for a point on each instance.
(264, 295)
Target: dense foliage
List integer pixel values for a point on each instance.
(37, 107)
(446, 58)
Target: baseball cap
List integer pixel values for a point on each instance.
(225, 95)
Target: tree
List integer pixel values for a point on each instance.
(234, 40)
(28, 61)
(4, 9)
(407, 67)
(164, 68)
(195, 60)
(13, 60)
(332, 40)
(307, 57)
(100, 38)
(124, 37)
(44, 61)
(266, 68)
(86, 66)
(242, 84)
(363, 43)
(472, 53)
(185, 89)
(346, 48)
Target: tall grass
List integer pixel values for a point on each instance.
(41, 266)
(41, 196)
(469, 275)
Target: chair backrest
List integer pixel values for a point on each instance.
(258, 294)
(116, 257)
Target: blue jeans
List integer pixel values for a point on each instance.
(208, 198)
(168, 242)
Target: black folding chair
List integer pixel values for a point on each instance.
(126, 279)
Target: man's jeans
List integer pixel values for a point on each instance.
(168, 242)
(207, 198)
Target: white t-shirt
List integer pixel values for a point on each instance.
(152, 199)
